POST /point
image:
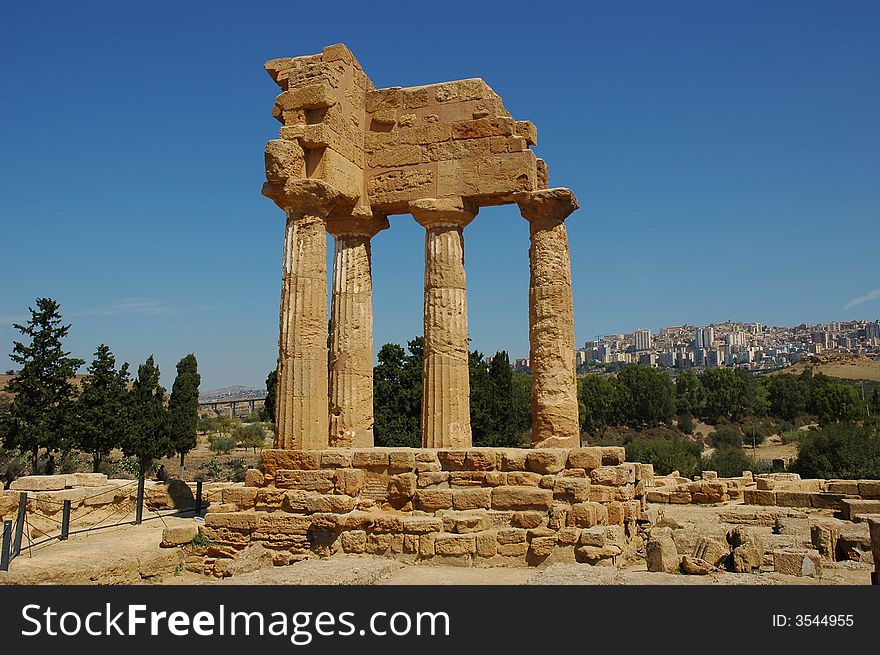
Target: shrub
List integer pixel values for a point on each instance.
(847, 450)
(731, 461)
(237, 468)
(686, 423)
(222, 444)
(667, 455)
(792, 436)
(726, 436)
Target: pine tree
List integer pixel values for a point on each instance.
(100, 411)
(183, 406)
(875, 401)
(44, 395)
(271, 394)
(149, 434)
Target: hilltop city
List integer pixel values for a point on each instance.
(752, 345)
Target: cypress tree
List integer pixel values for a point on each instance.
(100, 416)
(271, 394)
(44, 395)
(149, 434)
(183, 406)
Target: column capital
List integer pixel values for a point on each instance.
(351, 224)
(443, 212)
(306, 196)
(546, 204)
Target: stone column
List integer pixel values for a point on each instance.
(551, 319)
(351, 332)
(301, 414)
(446, 419)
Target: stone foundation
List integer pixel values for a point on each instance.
(472, 507)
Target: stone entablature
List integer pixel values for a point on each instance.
(349, 155)
(474, 506)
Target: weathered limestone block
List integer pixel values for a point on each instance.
(401, 460)
(793, 498)
(612, 476)
(454, 544)
(575, 490)
(869, 489)
(853, 509)
(695, 566)
(824, 536)
(467, 478)
(402, 487)
(551, 319)
(478, 459)
(433, 479)
(801, 563)
(242, 497)
(521, 498)
(350, 481)
(588, 514)
(513, 459)
(511, 536)
(39, 483)
(466, 499)
(431, 500)
(661, 554)
(445, 377)
(874, 527)
(177, 535)
(370, 458)
(254, 478)
(354, 541)
(322, 481)
(547, 460)
(524, 479)
(712, 551)
(466, 522)
(748, 550)
(528, 519)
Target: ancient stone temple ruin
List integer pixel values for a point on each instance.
(349, 156)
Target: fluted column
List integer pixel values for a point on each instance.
(301, 414)
(551, 319)
(351, 332)
(446, 420)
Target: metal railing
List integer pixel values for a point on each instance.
(14, 532)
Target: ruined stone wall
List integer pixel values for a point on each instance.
(474, 506)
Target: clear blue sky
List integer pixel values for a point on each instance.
(725, 155)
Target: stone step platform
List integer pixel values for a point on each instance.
(476, 506)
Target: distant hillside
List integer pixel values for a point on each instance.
(231, 393)
(849, 367)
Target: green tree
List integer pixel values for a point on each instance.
(842, 450)
(397, 395)
(271, 394)
(833, 403)
(251, 435)
(149, 434)
(43, 394)
(183, 406)
(690, 396)
(875, 402)
(100, 416)
(491, 401)
(788, 396)
(602, 397)
(501, 383)
(651, 396)
(521, 400)
(730, 393)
